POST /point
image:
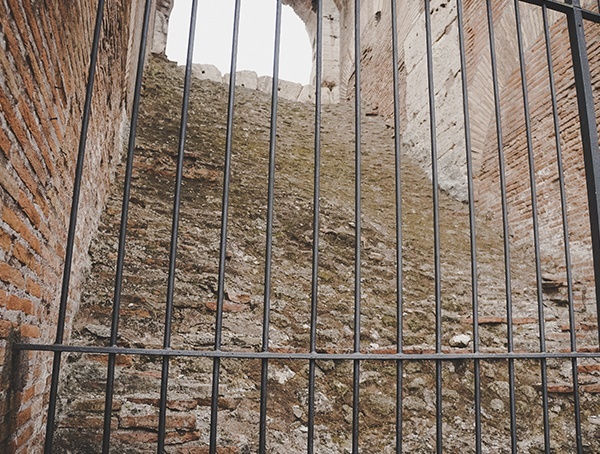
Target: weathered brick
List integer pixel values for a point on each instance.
(23, 416)
(23, 437)
(135, 436)
(33, 288)
(25, 257)
(26, 395)
(5, 144)
(29, 209)
(9, 183)
(95, 405)
(205, 450)
(20, 304)
(592, 389)
(86, 422)
(25, 175)
(5, 328)
(13, 120)
(5, 241)
(30, 331)
(11, 276)
(121, 360)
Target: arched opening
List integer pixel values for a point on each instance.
(257, 30)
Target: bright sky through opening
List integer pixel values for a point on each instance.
(214, 31)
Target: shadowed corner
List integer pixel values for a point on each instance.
(12, 384)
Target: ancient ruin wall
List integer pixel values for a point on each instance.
(44, 51)
(377, 94)
(44, 58)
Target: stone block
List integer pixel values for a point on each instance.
(289, 90)
(207, 72)
(247, 79)
(307, 94)
(265, 84)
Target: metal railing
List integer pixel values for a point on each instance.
(577, 20)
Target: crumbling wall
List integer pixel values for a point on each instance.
(44, 52)
(44, 58)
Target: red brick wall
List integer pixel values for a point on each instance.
(44, 54)
(544, 150)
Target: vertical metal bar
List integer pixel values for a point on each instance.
(214, 406)
(535, 222)
(563, 202)
(589, 135)
(505, 230)
(269, 241)
(472, 226)
(64, 295)
(357, 226)
(436, 228)
(114, 330)
(399, 282)
(316, 210)
(164, 382)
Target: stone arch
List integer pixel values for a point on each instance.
(331, 37)
(304, 10)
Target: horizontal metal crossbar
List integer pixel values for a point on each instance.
(349, 356)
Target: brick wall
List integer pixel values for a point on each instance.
(44, 54)
(544, 150)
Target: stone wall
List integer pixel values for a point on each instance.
(44, 58)
(44, 52)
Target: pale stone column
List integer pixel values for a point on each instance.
(160, 27)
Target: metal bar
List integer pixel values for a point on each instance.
(307, 356)
(589, 137)
(472, 226)
(269, 241)
(436, 230)
(214, 405)
(66, 280)
(566, 8)
(357, 227)
(505, 229)
(114, 330)
(567, 249)
(399, 276)
(316, 211)
(535, 225)
(164, 382)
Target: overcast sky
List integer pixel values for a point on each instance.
(257, 32)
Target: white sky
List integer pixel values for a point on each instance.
(256, 39)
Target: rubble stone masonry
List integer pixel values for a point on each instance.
(44, 58)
